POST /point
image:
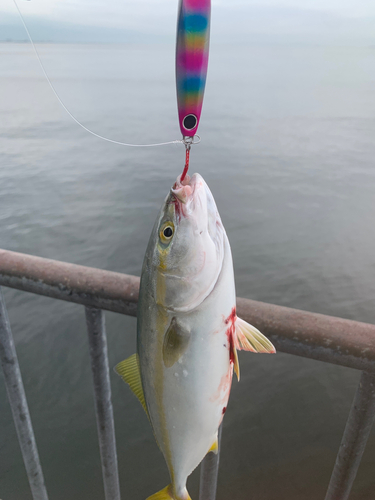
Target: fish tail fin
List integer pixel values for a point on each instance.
(164, 494)
(167, 494)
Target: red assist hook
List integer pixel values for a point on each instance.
(192, 47)
(187, 159)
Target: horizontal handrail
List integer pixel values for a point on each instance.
(60, 280)
(317, 336)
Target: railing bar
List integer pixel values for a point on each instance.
(95, 321)
(209, 473)
(18, 404)
(357, 430)
(315, 336)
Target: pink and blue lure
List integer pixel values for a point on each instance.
(193, 36)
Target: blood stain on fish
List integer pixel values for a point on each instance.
(177, 207)
(232, 317)
(222, 392)
(231, 331)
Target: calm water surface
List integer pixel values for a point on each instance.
(288, 151)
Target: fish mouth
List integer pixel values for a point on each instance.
(185, 190)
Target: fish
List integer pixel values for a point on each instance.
(188, 332)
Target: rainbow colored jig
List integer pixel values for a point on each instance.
(193, 36)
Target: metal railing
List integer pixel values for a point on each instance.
(324, 338)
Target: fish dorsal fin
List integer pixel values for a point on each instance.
(249, 338)
(215, 447)
(130, 373)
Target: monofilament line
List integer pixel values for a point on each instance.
(67, 110)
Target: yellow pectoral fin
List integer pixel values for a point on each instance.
(250, 339)
(130, 373)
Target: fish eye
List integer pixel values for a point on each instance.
(166, 232)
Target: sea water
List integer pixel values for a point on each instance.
(288, 151)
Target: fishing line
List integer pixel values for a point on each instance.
(183, 141)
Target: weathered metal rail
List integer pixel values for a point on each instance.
(316, 336)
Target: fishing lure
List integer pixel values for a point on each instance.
(192, 47)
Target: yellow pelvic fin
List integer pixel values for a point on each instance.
(236, 363)
(250, 339)
(130, 373)
(215, 447)
(167, 494)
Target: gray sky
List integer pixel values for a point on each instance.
(341, 21)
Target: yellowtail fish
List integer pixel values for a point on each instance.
(188, 332)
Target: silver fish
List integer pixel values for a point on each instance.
(188, 332)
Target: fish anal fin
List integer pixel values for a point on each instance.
(167, 494)
(215, 447)
(249, 338)
(130, 373)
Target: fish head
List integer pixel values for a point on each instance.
(189, 242)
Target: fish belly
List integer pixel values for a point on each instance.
(195, 396)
